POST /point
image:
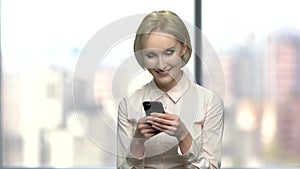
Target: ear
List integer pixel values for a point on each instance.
(183, 49)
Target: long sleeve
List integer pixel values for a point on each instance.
(205, 151)
(197, 107)
(125, 129)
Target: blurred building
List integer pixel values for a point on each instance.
(41, 126)
(12, 141)
(243, 80)
(283, 65)
(262, 99)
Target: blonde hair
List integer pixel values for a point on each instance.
(162, 22)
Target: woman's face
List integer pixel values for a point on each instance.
(162, 58)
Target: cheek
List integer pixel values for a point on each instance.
(149, 63)
(174, 61)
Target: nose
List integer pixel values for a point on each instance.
(161, 63)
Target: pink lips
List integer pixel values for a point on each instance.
(162, 73)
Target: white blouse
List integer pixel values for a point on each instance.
(202, 112)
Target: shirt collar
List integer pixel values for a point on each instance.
(175, 93)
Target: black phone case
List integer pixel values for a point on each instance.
(153, 106)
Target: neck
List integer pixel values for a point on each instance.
(172, 84)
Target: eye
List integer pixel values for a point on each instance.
(169, 52)
(150, 55)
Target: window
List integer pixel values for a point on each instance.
(256, 72)
(258, 46)
(42, 43)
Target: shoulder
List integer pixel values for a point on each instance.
(132, 104)
(139, 93)
(208, 95)
(201, 90)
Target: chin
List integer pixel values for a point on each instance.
(164, 81)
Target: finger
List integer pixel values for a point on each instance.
(153, 120)
(144, 126)
(162, 126)
(158, 128)
(167, 129)
(155, 114)
(165, 116)
(171, 116)
(145, 131)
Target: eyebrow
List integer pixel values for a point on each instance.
(170, 48)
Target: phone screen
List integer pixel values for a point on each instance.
(153, 106)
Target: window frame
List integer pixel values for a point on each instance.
(197, 6)
(198, 74)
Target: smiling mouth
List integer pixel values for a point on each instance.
(162, 73)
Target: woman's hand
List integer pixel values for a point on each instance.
(144, 129)
(168, 123)
(143, 132)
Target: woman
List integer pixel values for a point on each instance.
(189, 133)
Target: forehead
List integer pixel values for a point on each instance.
(159, 41)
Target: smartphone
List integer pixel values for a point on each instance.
(153, 106)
